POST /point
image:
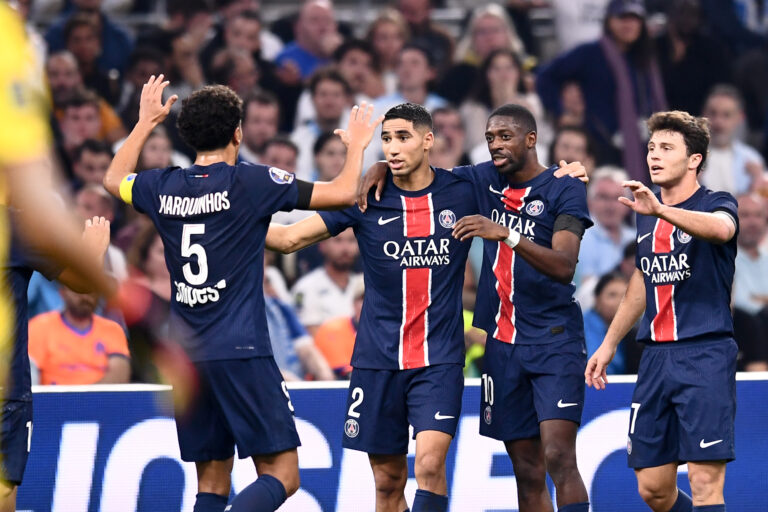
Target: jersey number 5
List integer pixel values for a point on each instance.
(188, 250)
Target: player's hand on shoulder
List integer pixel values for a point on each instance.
(595, 374)
(573, 169)
(361, 126)
(96, 235)
(477, 225)
(151, 107)
(373, 177)
(645, 201)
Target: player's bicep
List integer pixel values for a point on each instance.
(567, 243)
(727, 221)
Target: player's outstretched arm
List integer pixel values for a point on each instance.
(558, 263)
(152, 112)
(573, 169)
(292, 237)
(95, 240)
(342, 190)
(631, 308)
(716, 227)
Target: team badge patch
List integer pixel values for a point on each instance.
(683, 237)
(280, 176)
(447, 219)
(534, 208)
(351, 428)
(487, 415)
(629, 446)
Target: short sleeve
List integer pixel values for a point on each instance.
(117, 343)
(338, 220)
(572, 200)
(269, 188)
(724, 202)
(464, 172)
(139, 190)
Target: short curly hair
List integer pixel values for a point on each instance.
(209, 117)
(695, 131)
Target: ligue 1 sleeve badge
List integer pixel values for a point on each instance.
(447, 219)
(280, 176)
(351, 428)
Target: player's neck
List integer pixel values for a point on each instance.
(419, 179)
(530, 170)
(226, 154)
(680, 191)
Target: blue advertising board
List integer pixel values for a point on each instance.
(113, 449)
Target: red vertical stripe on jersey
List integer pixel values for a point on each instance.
(503, 269)
(664, 324)
(419, 221)
(514, 198)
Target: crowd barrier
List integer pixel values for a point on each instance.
(113, 449)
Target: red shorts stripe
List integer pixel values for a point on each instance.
(503, 269)
(418, 216)
(664, 324)
(414, 329)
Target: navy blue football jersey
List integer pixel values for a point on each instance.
(515, 302)
(213, 221)
(687, 280)
(414, 273)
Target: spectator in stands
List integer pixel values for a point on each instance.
(573, 107)
(157, 152)
(330, 155)
(66, 82)
(116, 43)
(75, 346)
(89, 163)
(359, 65)
(260, 123)
(691, 61)
(292, 346)
(185, 71)
(192, 17)
(732, 165)
(609, 291)
(144, 62)
(81, 38)
(750, 284)
(80, 121)
(94, 201)
(387, 34)
(335, 338)
(621, 83)
(577, 21)
(281, 152)
(489, 30)
(328, 291)
(316, 38)
(331, 97)
(235, 69)
(601, 250)
(424, 32)
(447, 123)
(572, 144)
(751, 75)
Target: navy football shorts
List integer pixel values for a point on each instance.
(241, 402)
(684, 404)
(527, 384)
(382, 403)
(15, 437)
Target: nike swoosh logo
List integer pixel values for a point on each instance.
(383, 221)
(563, 405)
(439, 416)
(702, 444)
(641, 238)
(490, 187)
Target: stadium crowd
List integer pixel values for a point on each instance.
(589, 70)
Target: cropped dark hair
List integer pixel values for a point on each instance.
(695, 131)
(92, 146)
(81, 98)
(360, 45)
(78, 20)
(606, 279)
(420, 47)
(322, 140)
(519, 113)
(209, 117)
(417, 114)
(330, 74)
(281, 140)
(571, 128)
(481, 91)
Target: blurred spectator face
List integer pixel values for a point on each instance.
(607, 303)
(441, 155)
(356, 67)
(725, 117)
(80, 123)
(572, 100)
(502, 72)
(63, 76)
(238, 6)
(88, 5)
(413, 70)
(329, 99)
(570, 146)
(415, 12)
(625, 29)
(753, 221)
(260, 124)
(448, 124)
(245, 76)
(92, 202)
(387, 41)
(316, 22)
(685, 17)
(84, 44)
(243, 34)
(604, 205)
(340, 251)
(330, 160)
(281, 156)
(79, 305)
(488, 34)
(92, 166)
(157, 152)
(143, 69)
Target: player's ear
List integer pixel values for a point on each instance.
(693, 161)
(237, 137)
(530, 139)
(429, 140)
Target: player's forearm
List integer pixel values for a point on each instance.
(712, 227)
(297, 236)
(342, 191)
(557, 265)
(630, 310)
(118, 371)
(126, 158)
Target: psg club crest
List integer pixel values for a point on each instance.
(487, 415)
(447, 219)
(534, 208)
(683, 237)
(280, 176)
(351, 428)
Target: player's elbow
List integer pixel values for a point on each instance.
(565, 272)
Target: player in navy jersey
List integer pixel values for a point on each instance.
(409, 350)
(16, 415)
(213, 219)
(684, 403)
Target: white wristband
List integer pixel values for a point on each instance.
(513, 239)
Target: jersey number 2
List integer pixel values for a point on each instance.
(188, 250)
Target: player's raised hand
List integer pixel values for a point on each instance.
(96, 235)
(151, 108)
(477, 225)
(645, 202)
(361, 126)
(374, 177)
(595, 375)
(573, 169)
